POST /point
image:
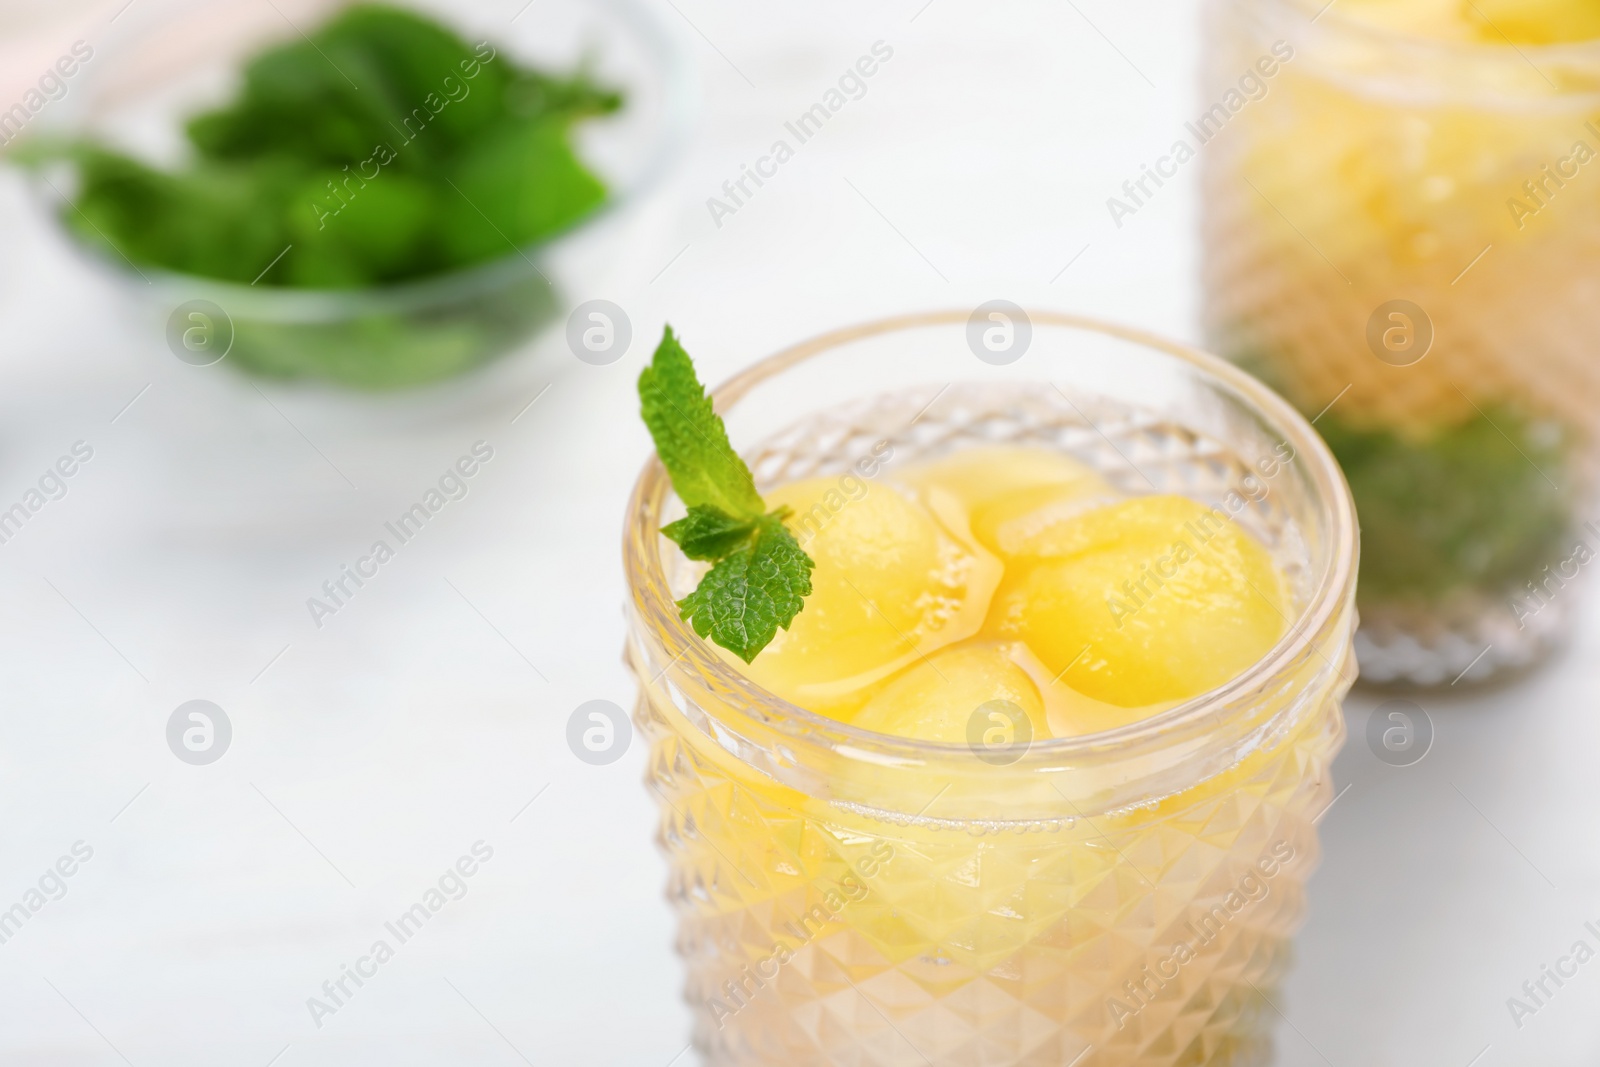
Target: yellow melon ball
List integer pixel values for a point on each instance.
(936, 699)
(1534, 21)
(985, 472)
(1069, 713)
(993, 481)
(1494, 22)
(1076, 527)
(1148, 600)
(892, 583)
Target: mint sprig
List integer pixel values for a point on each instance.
(760, 576)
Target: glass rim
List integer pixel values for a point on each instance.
(650, 593)
(295, 304)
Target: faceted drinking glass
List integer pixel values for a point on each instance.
(1399, 236)
(1125, 897)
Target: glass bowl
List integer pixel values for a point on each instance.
(161, 63)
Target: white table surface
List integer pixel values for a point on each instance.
(373, 752)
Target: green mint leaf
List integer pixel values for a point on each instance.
(750, 593)
(760, 575)
(690, 438)
(709, 533)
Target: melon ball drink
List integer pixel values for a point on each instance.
(990, 707)
(1402, 215)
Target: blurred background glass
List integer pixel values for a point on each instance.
(1390, 240)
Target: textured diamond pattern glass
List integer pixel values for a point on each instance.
(870, 901)
(1386, 242)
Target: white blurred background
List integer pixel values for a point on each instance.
(369, 754)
